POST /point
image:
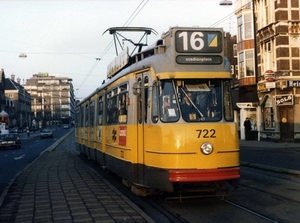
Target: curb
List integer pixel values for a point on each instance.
(295, 173)
(54, 145)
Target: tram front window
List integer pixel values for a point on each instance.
(195, 100)
(200, 100)
(168, 103)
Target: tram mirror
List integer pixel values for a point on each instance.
(136, 88)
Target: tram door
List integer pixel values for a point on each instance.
(142, 98)
(286, 123)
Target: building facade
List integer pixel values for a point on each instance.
(275, 70)
(278, 44)
(18, 104)
(246, 66)
(52, 99)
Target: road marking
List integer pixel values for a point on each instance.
(20, 157)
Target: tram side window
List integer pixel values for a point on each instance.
(100, 110)
(81, 116)
(87, 114)
(122, 103)
(123, 107)
(146, 95)
(77, 119)
(155, 103)
(168, 105)
(112, 107)
(92, 113)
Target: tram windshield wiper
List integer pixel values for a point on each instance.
(202, 118)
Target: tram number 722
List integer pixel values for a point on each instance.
(206, 133)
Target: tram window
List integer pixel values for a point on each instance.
(77, 119)
(168, 105)
(155, 103)
(200, 100)
(92, 113)
(87, 114)
(122, 103)
(112, 107)
(81, 116)
(146, 95)
(100, 110)
(228, 112)
(122, 118)
(123, 87)
(139, 100)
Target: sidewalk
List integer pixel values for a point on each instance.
(59, 187)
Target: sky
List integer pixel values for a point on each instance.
(66, 37)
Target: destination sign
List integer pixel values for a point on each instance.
(197, 41)
(205, 59)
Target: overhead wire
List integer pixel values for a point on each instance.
(129, 20)
(231, 14)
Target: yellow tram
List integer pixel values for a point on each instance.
(164, 118)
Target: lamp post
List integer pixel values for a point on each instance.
(225, 2)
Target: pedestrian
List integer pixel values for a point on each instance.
(28, 132)
(247, 125)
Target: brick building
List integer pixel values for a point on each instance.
(276, 71)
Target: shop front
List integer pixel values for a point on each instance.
(278, 108)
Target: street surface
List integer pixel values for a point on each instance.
(268, 191)
(12, 161)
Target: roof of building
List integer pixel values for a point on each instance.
(12, 85)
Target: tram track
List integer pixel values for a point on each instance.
(250, 211)
(187, 201)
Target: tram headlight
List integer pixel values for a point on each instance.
(206, 148)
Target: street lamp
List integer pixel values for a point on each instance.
(225, 2)
(22, 55)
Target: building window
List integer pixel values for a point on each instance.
(246, 64)
(240, 29)
(241, 65)
(235, 50)
(248, 26)
(268, 46)
(266, 13)
(249, 59)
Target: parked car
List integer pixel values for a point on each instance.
(14, 130)
(17, 130)
(10, 140)
(46, 133)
